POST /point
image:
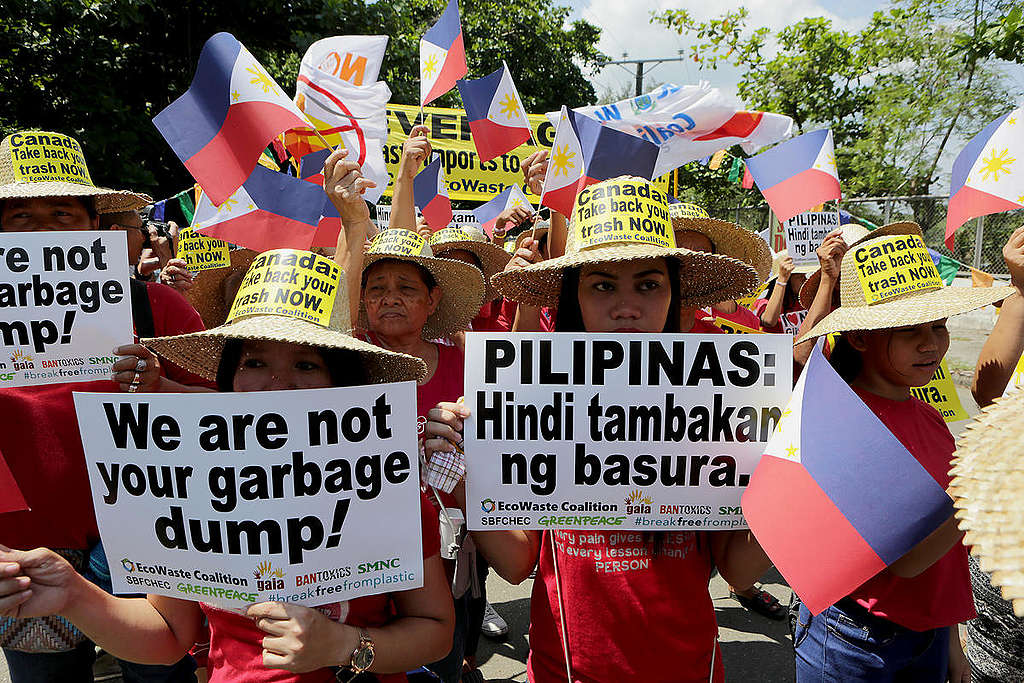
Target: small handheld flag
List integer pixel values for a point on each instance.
(986, 174)
(269, 211)
(311, 169)
(487, 214)
(497, 118)
(430, 191)
(836, 530)
(442, 55)
(220, 126)
(797, 174)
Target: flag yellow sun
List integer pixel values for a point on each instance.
(262, 79)
(792, 451)
(996, 164)
(228, 204)
(510, 108)
(430, 66)
(562, 160)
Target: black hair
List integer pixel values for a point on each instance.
(570, 316)
(344, 365)
(846, 360)
(428, 278)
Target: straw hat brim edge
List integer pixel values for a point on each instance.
(492, 257)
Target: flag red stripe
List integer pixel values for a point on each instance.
(260, 231)
(970, 203)
(438, 212)
(740, 125)
(327, 232)
(453, 69)
(562, 199)
(493, 139)
(800, 192)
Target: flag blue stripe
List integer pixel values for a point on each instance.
(965, 160)
(284, 195)
(447, 28)
(489, 211)
(191, 121)
(313, 163)
(424, 185)
(878, 485)
(477, 94)
(786, 159)
(608, 153)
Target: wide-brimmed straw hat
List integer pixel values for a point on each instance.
(462, 285)
(609, 235)
(493, 258)
(212, 292)
(200, 352)
(900, 286)
(726, 238)
(37, 163)
(514, 240)
(988, 477)
(853, 234)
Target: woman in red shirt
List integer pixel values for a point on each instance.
(646, 620)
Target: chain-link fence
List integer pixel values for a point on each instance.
(979, 242)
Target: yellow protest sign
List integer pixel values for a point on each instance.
(750, 300)
(446, 235)
(200, 252)
(398, 242)
(288, 282)
(730, 327)
(622, 212)
(940, 393)
(893, 266)
(467, 176)
(682, 210)
(1017, 378)
(39, 157)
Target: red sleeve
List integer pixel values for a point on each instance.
(759, 307)
(507, 315)
(431, 527)
(173, 314)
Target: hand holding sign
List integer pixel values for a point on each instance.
(35, 583)
(301, 639)
(830, 255)
(535, 168)
(415, 150)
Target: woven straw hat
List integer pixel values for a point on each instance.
(853, 234)
(726, 238)
(200, 352)
(705, 279)
(515, 240)
(988, 476)
(922, 299)
(492, 258)
(462, 285)
(42, 164)
(207, 293)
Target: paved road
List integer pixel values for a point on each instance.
(754, 648)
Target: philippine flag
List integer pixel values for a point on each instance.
(797, 174)
(430, 191)
(442, 55)
(497, 118)
(987, 174)
(224, 121)
(848, 512)
(311, 169)
(487, 214)
(269, 211)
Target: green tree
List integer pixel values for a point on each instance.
(101, 69)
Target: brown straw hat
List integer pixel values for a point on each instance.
(890, 281)
(601, 233)
(727, 238)
(988, 476)
(493, 258)
(853, 234)
(213, 289)
(539, 231)
(200, 352)
(37, 163)
(462, 285)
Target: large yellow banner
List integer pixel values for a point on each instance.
(468, 177)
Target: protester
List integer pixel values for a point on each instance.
(653, 624)
(40, 438)
(902, 623)
(996, 651)
(470, 245)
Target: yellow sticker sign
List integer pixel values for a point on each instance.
(750, 300)
(289, 282)
(200, 252)
(893, 266)
(39, 157)
(687, 211)
(622, 212)
(447, 235)
(399, 243)
(940, 393)
(730, 327)
(1017, 379)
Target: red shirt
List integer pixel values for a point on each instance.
(630, 616)
(446, 384)
(941, 595)
(741, 316)
(704, 327)
(236, 651)
(490, 319)
(507, 318)
(40, 441)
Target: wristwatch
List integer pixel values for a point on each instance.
(362, 656)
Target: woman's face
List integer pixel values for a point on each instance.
(628, 296)
(271, 365)
(397, 299)
(904, 356)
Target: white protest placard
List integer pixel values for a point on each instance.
(309, 496)
(65, 305)
(805, 232)
(612, 431)
(460, 218)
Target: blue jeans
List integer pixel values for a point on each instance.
(847, 644)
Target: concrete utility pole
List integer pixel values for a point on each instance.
(640, 67)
